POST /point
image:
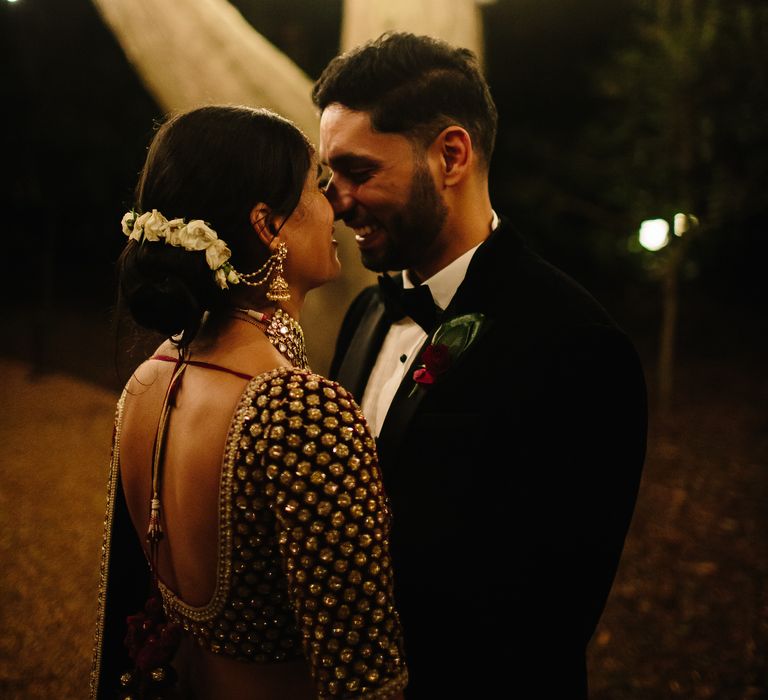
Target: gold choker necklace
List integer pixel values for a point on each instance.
(283, 332)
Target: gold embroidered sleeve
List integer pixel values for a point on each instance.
(325, 488)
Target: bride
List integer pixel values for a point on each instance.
(246, 538)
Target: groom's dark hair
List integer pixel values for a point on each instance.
(413, 85)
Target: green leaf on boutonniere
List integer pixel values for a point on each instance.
(458, 333)
(448, 343)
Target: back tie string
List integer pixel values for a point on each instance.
(155, 529)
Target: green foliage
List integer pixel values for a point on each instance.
(684, 100)
(658, 108)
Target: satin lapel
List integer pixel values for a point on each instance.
(405, 404)
(362, 351)
(407, 400)
(403, 407)
(473, 295)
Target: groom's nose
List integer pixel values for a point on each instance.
(340, 198)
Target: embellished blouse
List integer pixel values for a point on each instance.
(303, 562)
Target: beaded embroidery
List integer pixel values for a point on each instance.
(303, 549)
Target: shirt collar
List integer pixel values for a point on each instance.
(443, 284)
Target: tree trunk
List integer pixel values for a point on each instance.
(194, 52)
(667, 335)
(456, 21)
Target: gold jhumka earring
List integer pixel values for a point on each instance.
(278, 288)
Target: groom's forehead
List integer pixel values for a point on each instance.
(347, 135)
(342, 129)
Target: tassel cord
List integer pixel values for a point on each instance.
(155, 528)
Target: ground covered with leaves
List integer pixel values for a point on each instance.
(688, 613)
(687, 616)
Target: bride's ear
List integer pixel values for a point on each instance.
(265, 224)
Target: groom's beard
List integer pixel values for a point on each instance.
(412, 232)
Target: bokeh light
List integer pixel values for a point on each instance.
(654, 234)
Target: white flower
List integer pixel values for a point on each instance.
(198, 235)
(217, 253)
(155, 226)
(175, 232)
(138, 226)
(221, 278)
(127, 222)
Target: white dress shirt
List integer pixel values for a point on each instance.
(405, 338)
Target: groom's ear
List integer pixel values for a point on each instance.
(264, 224)
(454, 150)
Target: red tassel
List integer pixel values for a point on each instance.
(155, 530)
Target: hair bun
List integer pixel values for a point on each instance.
(166, 289)
(167, 306)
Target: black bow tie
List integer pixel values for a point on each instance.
(416, 302)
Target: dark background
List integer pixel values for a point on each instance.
(611, 112)
(594, 107)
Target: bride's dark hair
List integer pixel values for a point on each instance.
(213, 163)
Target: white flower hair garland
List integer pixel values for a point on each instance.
(192, 235)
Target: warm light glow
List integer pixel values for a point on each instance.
(654, 234)
(681, 224)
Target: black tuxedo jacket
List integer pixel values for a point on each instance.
(512, 479)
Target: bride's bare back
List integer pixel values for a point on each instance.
(194, 449)
(276, 526)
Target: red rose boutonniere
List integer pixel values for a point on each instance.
(448, 343)
(437, 361)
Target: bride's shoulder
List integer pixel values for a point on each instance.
(153, 367)
(300, 397)
(303, 386)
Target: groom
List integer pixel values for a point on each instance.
(510, 410)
